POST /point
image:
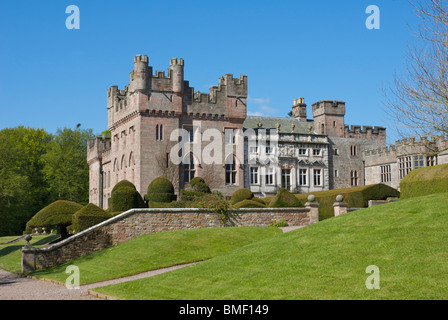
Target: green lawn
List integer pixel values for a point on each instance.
(159, 250)
(406, 240)
(11, 254)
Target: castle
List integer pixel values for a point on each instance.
(156, 113)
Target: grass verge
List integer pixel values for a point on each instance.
(158, 250)
(11, 254)
(406, 240)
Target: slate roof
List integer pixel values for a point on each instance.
(300, 127)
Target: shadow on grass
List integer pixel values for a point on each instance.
(9, 249)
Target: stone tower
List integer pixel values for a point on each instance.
(141, 119)
(329, 117)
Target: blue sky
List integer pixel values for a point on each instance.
(52, 77)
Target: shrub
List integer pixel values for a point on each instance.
(355, 197)
(187, 195)
(249, 204)
(259, 200)
(161, 197)
(89, 216)
(161, 185)
(124, 199)
(214, 202)
(123, 184)
(58, 213)
(285, 199)
(160, 190)
(241, 194)
(278, 223)
(424, 181)
(198, 184)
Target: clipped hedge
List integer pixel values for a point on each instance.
(124, 199)
(124, 196)
(424, 181)
(355, 197)
(188, 195)
(161, 197)
(160, 190)
(249, 204)
(59, 213)
(285, 199)
(123, 184)
(89, 216)
(198, 184)
(240, 195)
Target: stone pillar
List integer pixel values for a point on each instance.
(28, 256)
(314, 208)
(339, 206)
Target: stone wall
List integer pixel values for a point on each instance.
(137, 222)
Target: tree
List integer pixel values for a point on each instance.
(65, 166)
(22, 188)
(418, 100)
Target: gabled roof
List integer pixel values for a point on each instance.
(300, 127)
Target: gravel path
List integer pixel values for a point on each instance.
(13, 287)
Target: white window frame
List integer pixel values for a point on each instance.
(254, 175)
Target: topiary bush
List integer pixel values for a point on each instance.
(89, 216)
(124, 199)
(240, 195)
(285, 199)
(160, 190)
(124, 196)
(424, 181)
(123, 183)
(249, 204)
(198, 184)
(58, 213)
(188, 195)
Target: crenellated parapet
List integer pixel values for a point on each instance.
(365, 132)
(410, 146)
(96, 147)
(168, 94)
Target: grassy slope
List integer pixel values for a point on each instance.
(158, 250)
(327, 260)
(10, 254)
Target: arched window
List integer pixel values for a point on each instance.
(189, 168)
(131, 159)
(231, 171)
(161, 132)
(123, 163)
(157, 132)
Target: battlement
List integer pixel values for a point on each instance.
(140, 58)
(364, 132)
(176, 62)
(420, 145)
(96, 147)
(168, 92)
(228, 85)
(328, 107)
